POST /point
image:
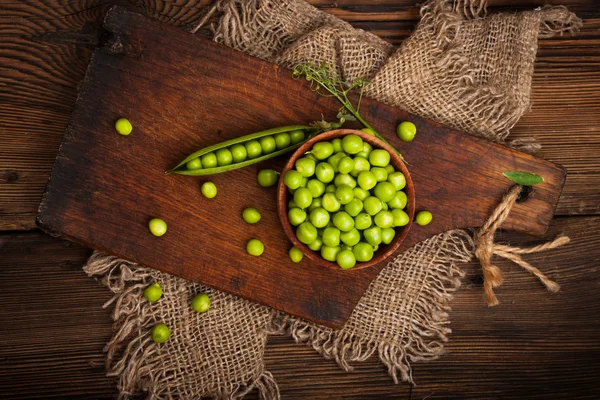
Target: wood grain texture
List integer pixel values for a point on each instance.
(46, 46)
(103, 183)
(535, 345)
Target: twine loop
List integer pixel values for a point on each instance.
(485, 248)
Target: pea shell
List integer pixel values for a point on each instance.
(240, 140)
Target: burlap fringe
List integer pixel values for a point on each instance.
(131, 354)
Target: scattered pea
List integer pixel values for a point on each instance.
(295, 254)
(267, 177)
(255, 247)
(209, 190)
(423, 218)
(251, 215)
(201, 303)
(157, 226)
(406, 131)
(153, 292)
(160, 333)
(123, 126)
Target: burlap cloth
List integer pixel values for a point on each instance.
(459, 67)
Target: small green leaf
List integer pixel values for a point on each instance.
(523, 178)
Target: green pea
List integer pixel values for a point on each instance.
(360, 193)
(331, 236)
(253, 149)
(346, 165)
(330, 202)
(384, 206)
(157, 226)
(362, 221)
(337, 145)
(344, 194)
(366, 180)
(316, 203)
(379, 158)
(399, 200)
(153, 292)
(400, 217)
(201, 303)
(384, 219)
(194, 164)
(305, 166)
(319, 218)
(366, 150)
(376, 247)
(251, 215)
(344, 179)
(316, 245)
(282, 140)
(238, 153)
(308, 155)
(255, 247)
(423, 218)
(373, 235)
(292, 179)
(397, 179)
(343, 221)
(296, 216)
(160, 333)
(351, 237)
(291, 204)
(267, 177)
(363, 252)
(322, 150)
(406, 131)
(316, 187)
(384, 191)
(209, 190)
(324, 172)
(123, 126)
(330, 253)
(380, 174)
(330, 188)
(360, 164)
(306, 233)
(345, 259)
(304, 182)
(352, 144)
(295, 254)
(335, 159)
(390, 169)
(372, 205)
(303, 197)
(354, 207)
(224, 157)
(209, 160)
(387, 235)
(296, 136)
(267, 144)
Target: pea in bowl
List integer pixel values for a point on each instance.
(346, 199)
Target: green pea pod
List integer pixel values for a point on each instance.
(309, 132)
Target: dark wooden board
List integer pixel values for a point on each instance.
(533, 346)
(182, 92)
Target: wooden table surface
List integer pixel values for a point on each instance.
(534, 345)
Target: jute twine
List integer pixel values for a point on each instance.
(460, 67)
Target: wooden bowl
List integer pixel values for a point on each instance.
(283, 197)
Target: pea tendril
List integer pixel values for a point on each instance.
(326, 83)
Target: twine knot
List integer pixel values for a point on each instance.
(485, 248)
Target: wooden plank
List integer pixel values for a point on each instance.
(46, 46)
(182, 93)
(534, 344)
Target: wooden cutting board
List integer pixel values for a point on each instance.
(181, 93)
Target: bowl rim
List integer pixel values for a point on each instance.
(395, 160)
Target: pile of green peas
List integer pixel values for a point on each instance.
(347, 200)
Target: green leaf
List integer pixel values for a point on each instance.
(523, 178)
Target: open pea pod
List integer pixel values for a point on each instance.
(183, 170)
